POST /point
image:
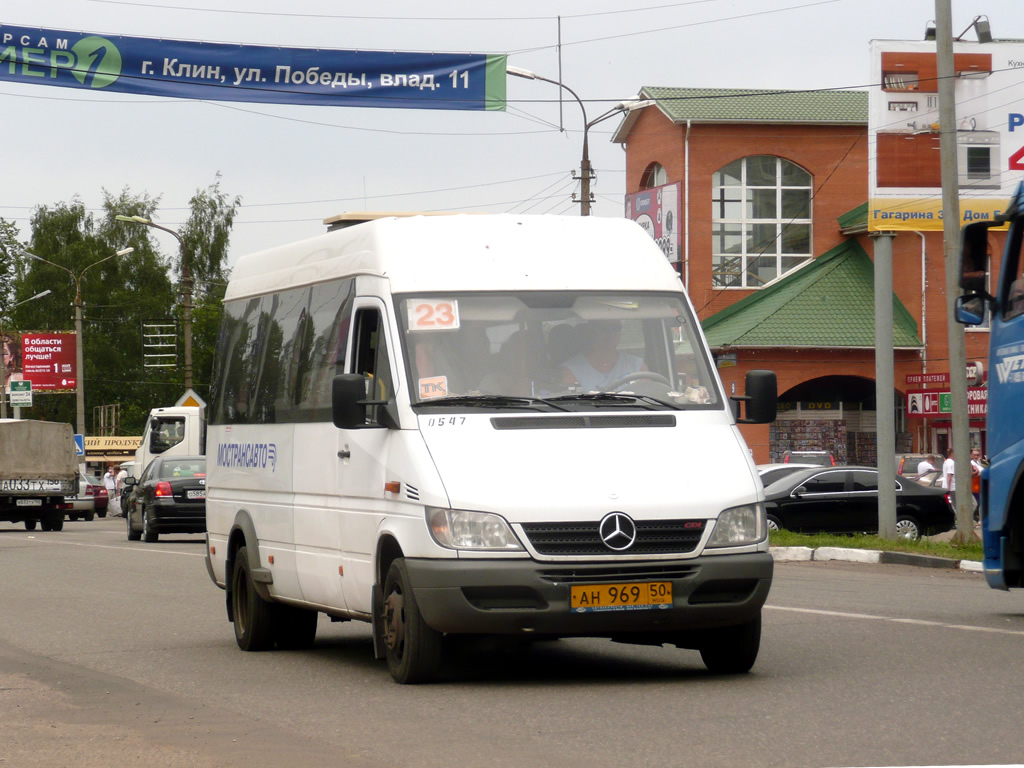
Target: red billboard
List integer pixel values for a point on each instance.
(48, 361)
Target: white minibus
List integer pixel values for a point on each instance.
(480, 425)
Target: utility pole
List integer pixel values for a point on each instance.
(960, 439)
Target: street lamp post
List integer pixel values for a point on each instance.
(3, 360)
(586, 169)
(79, 358)
(186, 285)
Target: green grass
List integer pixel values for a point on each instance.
(971, 551)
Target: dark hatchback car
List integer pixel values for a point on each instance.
(845, 500)
(170, 497)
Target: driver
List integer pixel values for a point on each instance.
(601, 363)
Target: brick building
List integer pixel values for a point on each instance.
(770, 238)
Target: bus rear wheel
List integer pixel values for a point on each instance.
(253, 616)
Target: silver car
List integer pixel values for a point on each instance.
(83, 504)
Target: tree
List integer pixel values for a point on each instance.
(9, 248)
(117, 295)
(206, 235)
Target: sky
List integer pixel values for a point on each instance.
(293, 166)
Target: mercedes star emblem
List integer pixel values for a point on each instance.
(617, 531)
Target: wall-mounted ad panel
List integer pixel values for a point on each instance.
(904, 178)
(252, 73)
(657, 211)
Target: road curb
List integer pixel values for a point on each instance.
(843, 554)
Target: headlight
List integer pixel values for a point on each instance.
(461, 529)
(739, 525)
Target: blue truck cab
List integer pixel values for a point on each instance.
(1002, 482)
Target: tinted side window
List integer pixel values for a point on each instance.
(828, 482)
(865, 481)
(324, 331)
(230, 393)
(277, 355)
(284, 358)
(371, 360)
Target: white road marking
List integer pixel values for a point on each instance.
(48, 540)
(896, 620)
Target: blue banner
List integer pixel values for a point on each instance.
(252, 73)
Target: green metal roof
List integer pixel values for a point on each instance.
(828, 303)
(854, 220)
(745, 105)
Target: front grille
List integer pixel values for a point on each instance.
(585, 421)
(603, 574)
(653, 537)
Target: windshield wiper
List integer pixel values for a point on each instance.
(492, 401)
(616, 398)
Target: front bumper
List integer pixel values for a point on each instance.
(523, 597)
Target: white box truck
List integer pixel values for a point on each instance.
(481, 425)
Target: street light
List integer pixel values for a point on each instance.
(3, 361)
(186, 284)
(586, 170)
(79, 365)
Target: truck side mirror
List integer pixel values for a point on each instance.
(970, 308)
(974, 256)
(761, 396)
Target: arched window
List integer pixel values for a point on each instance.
(654, 176)
(760, 221)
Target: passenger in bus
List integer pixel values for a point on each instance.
(517, 368)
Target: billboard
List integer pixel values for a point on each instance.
(46, 358)
(251, 73)
(657, 211)
(904, 178)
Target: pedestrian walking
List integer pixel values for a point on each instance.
(976, 483)
(122, 473)
(110, 483)
(949, 476)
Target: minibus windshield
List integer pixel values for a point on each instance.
(567, 350)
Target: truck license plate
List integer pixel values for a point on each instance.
(29, 503)
(196, 494)
(588, 598)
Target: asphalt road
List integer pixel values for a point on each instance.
(119, 653)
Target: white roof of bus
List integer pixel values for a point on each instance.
(468, 253)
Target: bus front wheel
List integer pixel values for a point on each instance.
(412, 648)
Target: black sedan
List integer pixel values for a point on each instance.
(845, 500)
(170, 497)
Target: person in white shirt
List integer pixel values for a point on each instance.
(926, 465)
(949, 476)
(121, 475)
(110, 483)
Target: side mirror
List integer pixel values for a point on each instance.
(974, 256)
(762, 394)
(798, 492)
(129, 481)
(970, 308)
(348, 401)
